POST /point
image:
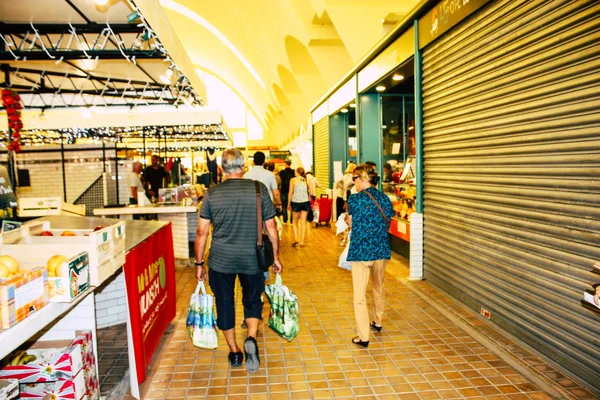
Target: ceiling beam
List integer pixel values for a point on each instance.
(37, 55)
(50, 29)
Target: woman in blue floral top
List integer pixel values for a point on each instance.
(370, 212)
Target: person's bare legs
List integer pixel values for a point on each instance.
(295, 225)
(230, 338)
(302, 223)
(253, 324)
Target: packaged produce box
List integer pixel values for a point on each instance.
(68, 278)
(9, 389)
(71, 389)
(44, 362)
(22, 294)
(104, 245)
(92, 382)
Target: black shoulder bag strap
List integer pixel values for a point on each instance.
(259, 210)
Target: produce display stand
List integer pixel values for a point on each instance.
(42, 206)
(149, 284)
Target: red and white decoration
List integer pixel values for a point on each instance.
(11, 101)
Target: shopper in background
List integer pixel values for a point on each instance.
(134, 182)
(299, 205)
(258, 173)
(348, 182)
(270, 166)
(155, 177)
(387, 172)
(369, 216)
(313, 184)
(231, 208)
(339, 198)
(286, 176)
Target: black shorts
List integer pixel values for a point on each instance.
(297, 207)
(223, 287)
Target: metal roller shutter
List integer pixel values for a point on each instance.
(511, 102)
(321, 151)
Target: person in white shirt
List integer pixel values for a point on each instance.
(258, 173)
(134, 182)
(313, 184)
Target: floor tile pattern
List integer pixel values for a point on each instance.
(420, 354)
(113, 360)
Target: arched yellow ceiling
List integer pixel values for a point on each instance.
(280, 56)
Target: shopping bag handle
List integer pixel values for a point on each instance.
(200, 286)
(278, 280)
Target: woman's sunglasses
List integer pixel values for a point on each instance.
(355, 178)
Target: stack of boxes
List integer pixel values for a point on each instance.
(65, 373)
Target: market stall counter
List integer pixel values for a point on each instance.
(147, 293)
(183, 219)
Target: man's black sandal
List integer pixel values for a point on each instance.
(236, 359)
(252, 358)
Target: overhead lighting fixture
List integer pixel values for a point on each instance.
(398, 77)
(352, 105)
(132, 17)
(380, 88)
(86, 113)
(344, 110)
(101, 2)
(42, 116)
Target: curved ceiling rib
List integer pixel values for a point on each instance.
(186, 12)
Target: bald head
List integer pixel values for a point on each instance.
(136, 167)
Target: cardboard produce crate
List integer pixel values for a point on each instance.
(104, 246)
(55, 361)
(22, 295)
(69, 389)
(9, 389)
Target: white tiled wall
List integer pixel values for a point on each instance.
(111, 303)
(183, 228)
(82, 168)
(82, 316)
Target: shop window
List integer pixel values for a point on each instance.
(399, 149)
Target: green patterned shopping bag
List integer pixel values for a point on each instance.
(284, 317)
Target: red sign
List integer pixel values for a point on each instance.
(150, 281)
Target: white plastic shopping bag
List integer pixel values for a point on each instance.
(343, 262)
(341, 224)
(201, 322)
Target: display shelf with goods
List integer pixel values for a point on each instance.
(149, 251)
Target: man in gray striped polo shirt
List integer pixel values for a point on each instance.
(231, 208)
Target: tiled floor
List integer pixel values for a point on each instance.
(113, 360)
(424, 351)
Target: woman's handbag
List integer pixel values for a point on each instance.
(284, 317)
(201, 322)
(264, 247)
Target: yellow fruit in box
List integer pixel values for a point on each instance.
(54, 264)
(3, 271)
(10, 263)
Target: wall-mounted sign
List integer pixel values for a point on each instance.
(7, 195)
(445, 15)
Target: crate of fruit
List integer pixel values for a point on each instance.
(44, 362)
(23, 289)
(100, 244)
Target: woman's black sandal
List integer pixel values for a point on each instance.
(375, 327)
(359, 342)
